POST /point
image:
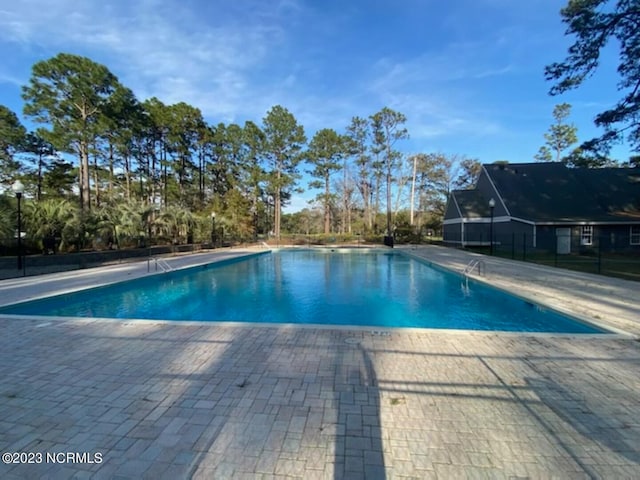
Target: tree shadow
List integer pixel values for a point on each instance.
(358, 443)
(589, 418)
(271, 401)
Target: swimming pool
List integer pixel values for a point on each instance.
(376, 289)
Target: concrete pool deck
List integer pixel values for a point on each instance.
(170, 400)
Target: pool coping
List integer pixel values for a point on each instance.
(47, 321)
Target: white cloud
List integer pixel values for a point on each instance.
(10, 79)
(235, 60)
(494, 72)
(168, 52)
(435, 90)
(220, 61)
(441, 112)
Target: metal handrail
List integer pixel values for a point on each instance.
(162, 263)
(471, 266)
(164, 266)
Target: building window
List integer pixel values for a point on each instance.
(586, 238)
(634, 238)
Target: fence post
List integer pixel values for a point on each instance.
(513, 246)
(524, 247)
(599, 254)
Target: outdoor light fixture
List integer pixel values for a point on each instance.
(18, 188)
(492, 204)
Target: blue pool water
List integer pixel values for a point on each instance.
(311, 287)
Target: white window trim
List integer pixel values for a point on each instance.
(631, 235)
(586, 235)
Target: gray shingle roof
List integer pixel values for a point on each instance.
(472, 203)
(552, 192)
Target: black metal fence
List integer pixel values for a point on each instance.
(12, 266)
(617, 256)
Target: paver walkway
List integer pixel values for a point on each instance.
(168, 400)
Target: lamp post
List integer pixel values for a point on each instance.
(213, 229)
(18, 188)
(492, 204)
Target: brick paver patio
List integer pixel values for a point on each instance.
(167, 400)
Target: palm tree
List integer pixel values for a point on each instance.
(121, 222)
(176, 223)
(131, 223)
(107, 217)
(48, 219)
(7, 223)
(80, 229)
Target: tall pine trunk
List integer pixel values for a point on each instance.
(127, 175)
(413, 188)
(388, 181)
(85, 194)
(151, 176)
(276, 207)
(327, 209)
(366, 200)
(111, 160)
(96, 179)
(376, 207)
(40, 162)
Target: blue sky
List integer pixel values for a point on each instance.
(468, 74)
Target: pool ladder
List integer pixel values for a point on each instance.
(160, 263)
(471, 266)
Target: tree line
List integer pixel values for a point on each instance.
(103, 164)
